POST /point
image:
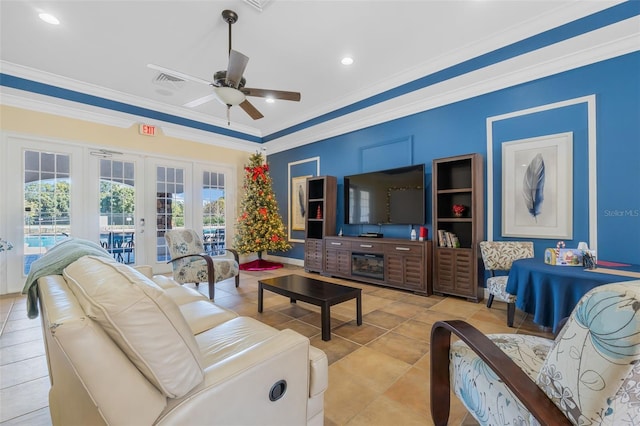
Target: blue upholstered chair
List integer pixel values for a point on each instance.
(589, 374)
(191, 264)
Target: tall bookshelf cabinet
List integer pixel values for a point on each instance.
(458, 180)
(320, 220)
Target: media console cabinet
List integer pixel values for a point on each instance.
(390, 262)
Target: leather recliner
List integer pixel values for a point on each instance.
(126, 348)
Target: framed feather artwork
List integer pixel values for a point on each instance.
(298, 202)
(537, 187)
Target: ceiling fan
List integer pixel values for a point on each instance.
(229, 85)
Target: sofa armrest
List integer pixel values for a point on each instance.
(236, 390)
(525, 389)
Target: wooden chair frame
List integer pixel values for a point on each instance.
(211, 269)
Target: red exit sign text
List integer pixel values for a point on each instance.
(147, 130)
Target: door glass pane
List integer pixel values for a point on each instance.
(46, 200)
(117, 210)
(213, 212)
(169, 206)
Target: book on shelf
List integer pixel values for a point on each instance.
(447, 239)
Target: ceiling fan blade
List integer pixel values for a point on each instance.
(203, 100)
(237, 64)
(178, 74)
(251, 110)
(275, 94)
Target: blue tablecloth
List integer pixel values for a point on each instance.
(551, 292)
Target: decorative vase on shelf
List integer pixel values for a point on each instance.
(458, 210)
(319, 213)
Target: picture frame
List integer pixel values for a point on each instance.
(298, 202)
(537, 187)
(307, 167)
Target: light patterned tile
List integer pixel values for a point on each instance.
(384, 412)
(361, 334)
(413, 329)
(21, 324)
(21, 336)
(411, 391)
(371, 368)
(21, 351)
(400, 347)
(347, 397)
(405, 310)
(40, 417)
(23, 371)
(24, 398)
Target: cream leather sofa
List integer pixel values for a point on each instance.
(127, 348)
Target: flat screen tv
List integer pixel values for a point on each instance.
(394, 196)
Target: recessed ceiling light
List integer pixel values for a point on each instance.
(269, 100)
(49, 19)
(347, 60)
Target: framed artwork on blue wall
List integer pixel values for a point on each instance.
(537, 187)
(298, 202)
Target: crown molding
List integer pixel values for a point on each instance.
(47, 105)
(208, 138)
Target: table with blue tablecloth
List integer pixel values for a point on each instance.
(550, 292)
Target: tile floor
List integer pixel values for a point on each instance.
(378, 372)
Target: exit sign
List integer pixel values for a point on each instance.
(147, 130)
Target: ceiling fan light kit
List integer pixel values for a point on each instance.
(228, 85)
(229, 96)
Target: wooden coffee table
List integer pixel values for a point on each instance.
(316, 292)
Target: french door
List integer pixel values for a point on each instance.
(169, 189)
(117, 203)
(54, 191)
(43, 202)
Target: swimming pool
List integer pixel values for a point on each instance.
(43, 240)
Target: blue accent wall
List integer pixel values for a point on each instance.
(460, 128)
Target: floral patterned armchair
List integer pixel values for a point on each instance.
(498, 256)
(192, 265)
(589, 374)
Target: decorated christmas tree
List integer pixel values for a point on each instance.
(259, 226)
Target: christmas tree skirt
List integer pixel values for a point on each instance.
(260, 265)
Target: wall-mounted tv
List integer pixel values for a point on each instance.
(394, 196)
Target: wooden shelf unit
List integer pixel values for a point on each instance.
(322, 195)
(458, 180)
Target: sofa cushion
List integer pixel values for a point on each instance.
(203, 315)
(145, 323)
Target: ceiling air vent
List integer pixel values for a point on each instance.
(258, 4)
(169, 81)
